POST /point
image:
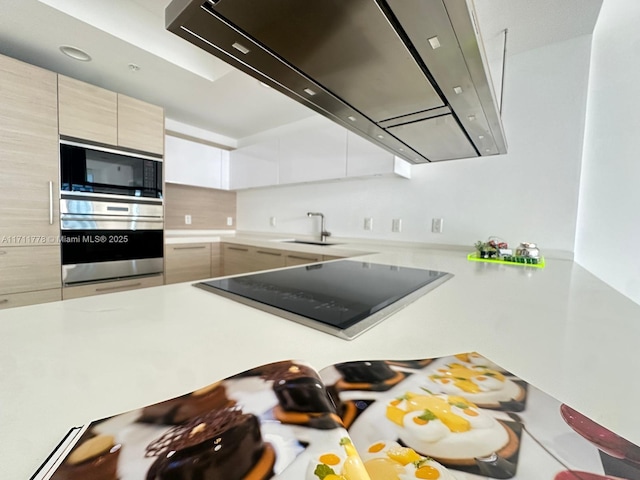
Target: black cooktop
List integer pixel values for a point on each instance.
(342, 297)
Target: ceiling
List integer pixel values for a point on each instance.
(198, 89)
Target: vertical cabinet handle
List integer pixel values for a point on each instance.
(50, 203)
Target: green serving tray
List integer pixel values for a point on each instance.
(475, 258)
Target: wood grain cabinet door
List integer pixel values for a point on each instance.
(185, 262)
(26, 269)
(28, 154)
(236, 259)
(297, 258)
(140, 125)
(30, 298)
(87, 112)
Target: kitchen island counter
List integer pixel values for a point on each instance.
(67, 363)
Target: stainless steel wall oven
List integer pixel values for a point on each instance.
(111, 214)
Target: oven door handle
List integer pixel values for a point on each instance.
(110, 218)
(50, 203)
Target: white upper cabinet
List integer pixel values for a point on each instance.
(311, 150)
(365, 158)
(254, 165)
(193, 163)
(312, 155)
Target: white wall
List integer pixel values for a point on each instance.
(530, 194)
(609, 212)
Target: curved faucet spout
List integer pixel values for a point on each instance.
(323, 233)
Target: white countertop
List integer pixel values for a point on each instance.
(67, 363)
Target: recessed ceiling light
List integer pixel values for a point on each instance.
(75, 53)
(133, 67)
(308, 91)
(352, 118)
(434, 42)
(264, 85)
(241, 48)
(380, 136)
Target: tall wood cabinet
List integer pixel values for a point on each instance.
(29, 216)
(87, 112)
(97, 115)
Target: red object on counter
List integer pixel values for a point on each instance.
(601, 437)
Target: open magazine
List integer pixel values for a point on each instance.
(460, 417)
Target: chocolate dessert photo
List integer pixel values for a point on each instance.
(458, 417)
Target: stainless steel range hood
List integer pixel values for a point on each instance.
(409, 75)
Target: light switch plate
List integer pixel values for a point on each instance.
(229, 221)
(437, 225)
(187, 219)
(396, 225)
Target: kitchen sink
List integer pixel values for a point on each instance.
(310, 242)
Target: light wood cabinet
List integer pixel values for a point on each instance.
(244, 258)
(29, 153)
(30, 298)
(97, 115)
(87, 112)
(299, 258)
(216, 260)
(187, 261)
(27, 269)
(29, 212)
(140, 125)
(267, 258)
(79, 291)
(237, 258)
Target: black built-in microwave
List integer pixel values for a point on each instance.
(105, 171)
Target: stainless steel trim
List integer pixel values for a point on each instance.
(239, 249)
(346, 334)
(50, 203)
(460, 15)
(437, 138)
(110, 150)
(105, 223)
(119, 287)
(110, 196)
(121, 269)
(504, 64)
(93, 208)
(414, 117)
(199, 247)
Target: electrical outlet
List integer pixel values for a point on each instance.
(272, 221)
(187, 219)
(229, 221)
(368, 223)
(437, 224)
(396, 225)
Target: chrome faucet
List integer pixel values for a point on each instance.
(323, 233)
